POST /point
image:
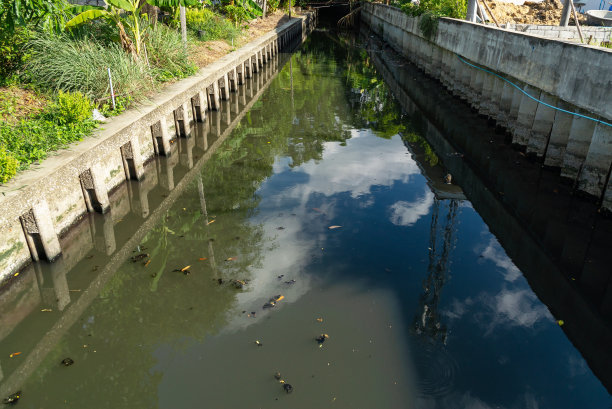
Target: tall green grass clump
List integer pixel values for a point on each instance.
(62, 63)
(66, 120)
(435, 8)
(209, 26)
(167, 54)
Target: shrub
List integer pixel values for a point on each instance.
(69, 108)
(212, 26)
(13, 54)
(437, 8)
(272, 5)
(8, 165)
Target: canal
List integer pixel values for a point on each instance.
(312, 205)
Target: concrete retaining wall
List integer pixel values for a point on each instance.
(41, 204)
(574, 77)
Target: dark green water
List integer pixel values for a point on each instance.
(422, 305)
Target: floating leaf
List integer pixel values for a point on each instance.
(230, 259)
(334, 227)
(320, 319)
(46, 310)
(210, 222)
(203, 258)
(185, 269)
(560, 322)
(147, 263)
(16, 274)
(14, 354)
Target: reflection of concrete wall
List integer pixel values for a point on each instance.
(517, 200)
(50, 198)
(562, 74)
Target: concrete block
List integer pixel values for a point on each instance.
(213, 96)
(40, 232)
(596, 168)
(505, 104)
(161, 137)
(224, 89)
(132, 160)
(199, 104)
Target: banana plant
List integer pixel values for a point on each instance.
(125, 13)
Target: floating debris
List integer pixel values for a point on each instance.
(12, 398)
(147, 263)
(258, 343)
(290, 282)
(203, 258)
(272, 301)
(139, 257)
(46, 310)
(239, 284)
(220, 281)
(280, 276)
(560, 322)
(286, 386)
(320, 319)
(14, 354)
(67, 361)
(210, 222)
(277, 376)
(448, 179)
(280, 228)
(230, 259)
(321, 338)
(334, 227)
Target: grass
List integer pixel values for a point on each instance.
(208, 26)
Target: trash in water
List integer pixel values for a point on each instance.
(210, 222)
(67, 361)
(147, 263)
(14, 354)
(334, 227)
(321, 338)
(272, 301)
(280, 276)
(286, 386)
(12, 398)
(320, 319)
(448, 178)
(258, 343)
(280, 228)
(185, 269)
(139, 257)
(277, 376)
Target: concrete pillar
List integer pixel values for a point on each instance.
(254, 65)
(186, 152)
(476, 85)
(259, 59)
(40, 232)
(496, 96)
(213, 96)
(240, 74)
(94, 190)
(132, 160)
(542, 126)
(247, 69)
(559, 134)
(581, 133)
(199, 104)
(526, 114)
(596, 168)
(182, 124)
(224, 89)
(565, 14)
(517, 96)
(472, 8)
(486, 95)
(60, 283)
(104, 237)
(161, 137)
(232, 76)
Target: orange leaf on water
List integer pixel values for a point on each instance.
(203, 258)
(14, 354)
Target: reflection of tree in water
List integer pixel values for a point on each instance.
(428, 324)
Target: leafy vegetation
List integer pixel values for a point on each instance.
(431, 10)
(28, 141)
(208, 25)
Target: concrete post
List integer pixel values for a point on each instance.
(472, 8)
(199, 104)
(558, 136)
(565, 15)
(213, 96)
(232, 76)
(542, 126)
(254, 65)
(517, 96)
(161, 138)
(182, 124)
(132, 161)
(578, 142)
(525, 117)
(597, 164)
(224, 87)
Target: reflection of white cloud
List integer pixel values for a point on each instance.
(468, 401)
(408, 213)
(497, 255)
(518, 308)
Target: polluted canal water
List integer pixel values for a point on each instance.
(317, 257)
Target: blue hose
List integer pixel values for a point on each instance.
(535, 99)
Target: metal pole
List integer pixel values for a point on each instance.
(110, 81)
(471, 11)
(565, 15)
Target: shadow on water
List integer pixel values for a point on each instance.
(319, 141)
